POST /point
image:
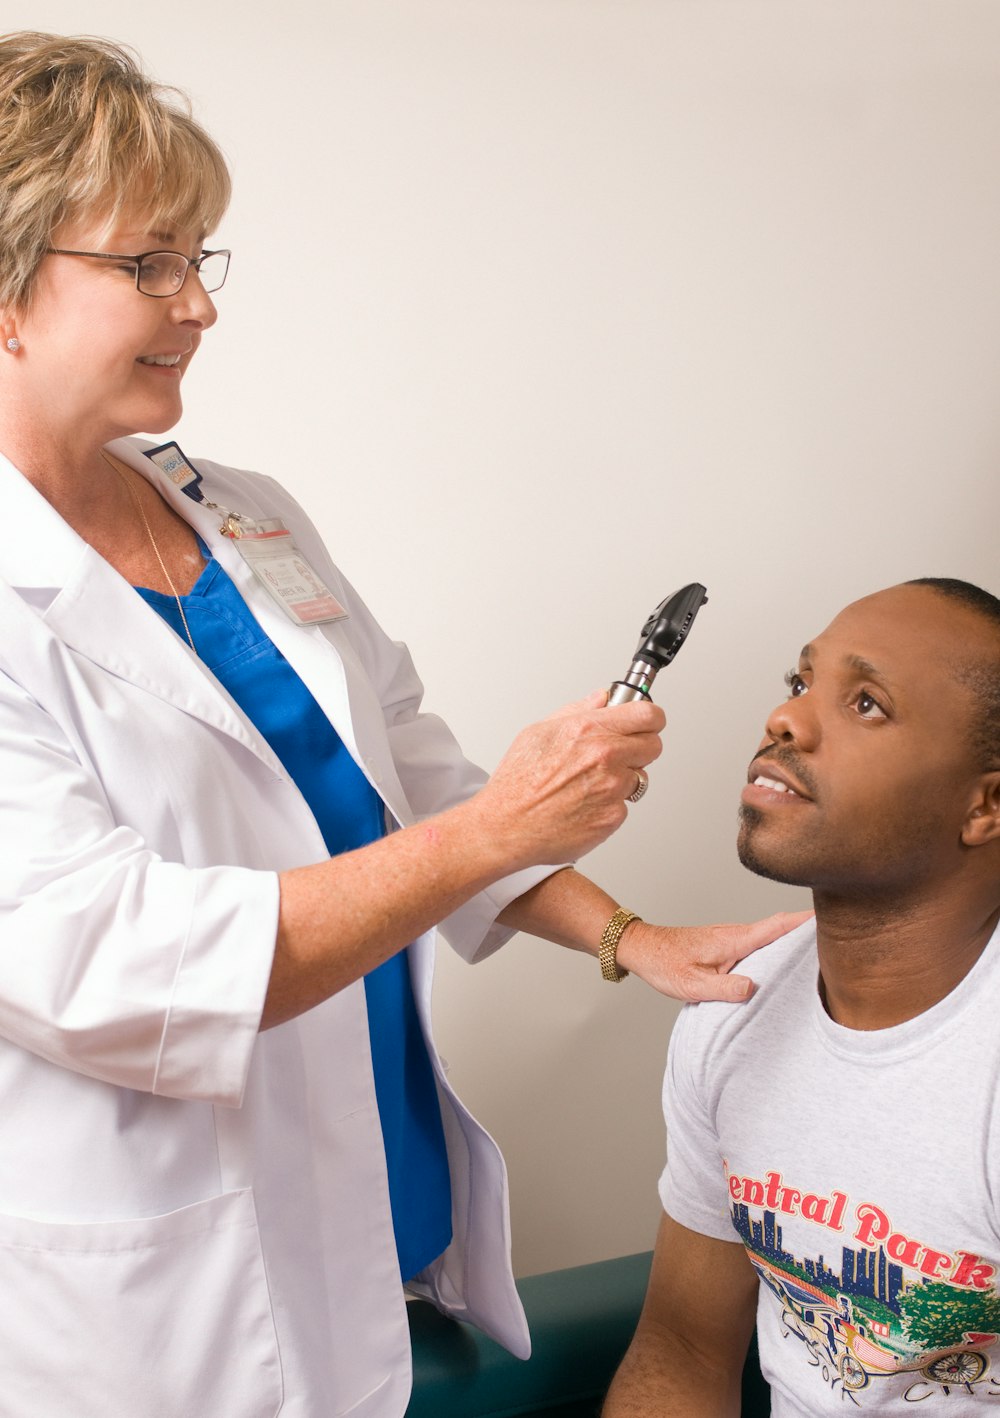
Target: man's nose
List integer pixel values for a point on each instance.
(795, 721)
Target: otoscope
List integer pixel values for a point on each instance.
(664, 633)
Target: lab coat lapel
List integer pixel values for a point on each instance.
(94, 611)
(322, 656)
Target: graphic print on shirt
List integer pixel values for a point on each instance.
(895, 1306)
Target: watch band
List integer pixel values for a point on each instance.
(608, 954)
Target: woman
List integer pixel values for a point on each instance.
(229, 840)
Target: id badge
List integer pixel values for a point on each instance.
(284, 572)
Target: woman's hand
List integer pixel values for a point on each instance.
(686, 962)
(561, 787)
(693, 962)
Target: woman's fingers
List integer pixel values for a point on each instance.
(694, 962)
(561, 787)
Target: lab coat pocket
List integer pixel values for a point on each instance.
(161, 1317)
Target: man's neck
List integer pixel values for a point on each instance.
(884, 963)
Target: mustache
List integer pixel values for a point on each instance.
(787, 758)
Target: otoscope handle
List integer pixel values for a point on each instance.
(635, 685)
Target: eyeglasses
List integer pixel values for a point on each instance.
(161, 274)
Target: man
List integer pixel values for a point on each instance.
(834, 1145)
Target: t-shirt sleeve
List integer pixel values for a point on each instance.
(693, 1186)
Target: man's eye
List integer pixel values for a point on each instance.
(796, 684)
(869, 707)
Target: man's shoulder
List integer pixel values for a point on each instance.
(785, 976)
(783, 958)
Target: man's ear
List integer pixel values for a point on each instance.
(982, 824)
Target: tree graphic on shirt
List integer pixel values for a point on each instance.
(937, 1315)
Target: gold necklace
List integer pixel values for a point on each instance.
(152, 541)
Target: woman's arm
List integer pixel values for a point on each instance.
(687, 962)
(558, 792)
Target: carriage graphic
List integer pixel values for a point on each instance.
(840, 1343)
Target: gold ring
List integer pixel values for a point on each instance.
(641, 784)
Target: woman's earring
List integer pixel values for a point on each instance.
(13, 344)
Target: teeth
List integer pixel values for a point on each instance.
(774, 785)
(160, 359)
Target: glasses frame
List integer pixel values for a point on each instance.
(137, 260)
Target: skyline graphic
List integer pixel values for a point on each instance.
(863, 1272)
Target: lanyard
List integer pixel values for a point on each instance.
(266, 547)
(174, 464)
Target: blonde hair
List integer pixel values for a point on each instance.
(84, 132)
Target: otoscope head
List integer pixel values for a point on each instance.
(666, 629)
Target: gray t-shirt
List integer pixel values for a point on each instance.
(861, 1170)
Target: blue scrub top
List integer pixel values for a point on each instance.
(350, 814)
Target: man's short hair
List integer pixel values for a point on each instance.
(982, 677)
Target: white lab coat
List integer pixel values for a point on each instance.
(194, 1218)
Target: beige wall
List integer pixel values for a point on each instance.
(544, 307)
